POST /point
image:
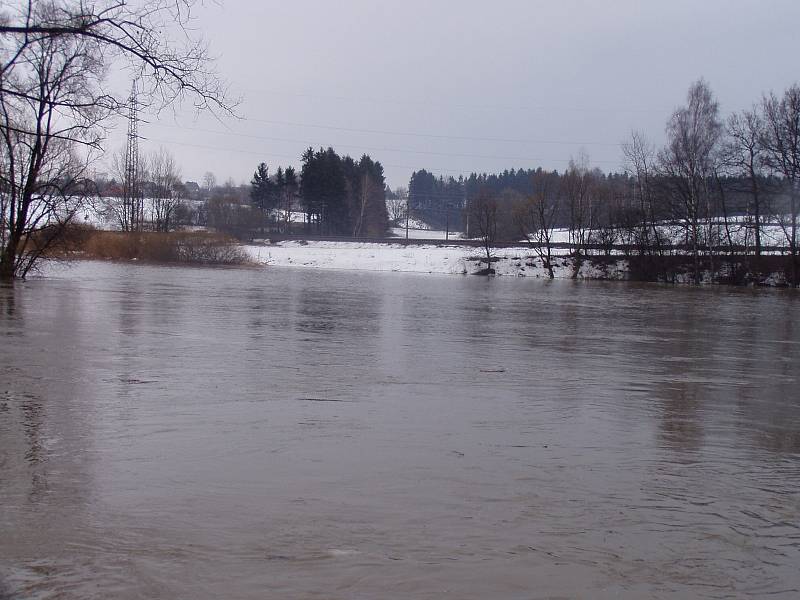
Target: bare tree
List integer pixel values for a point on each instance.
(688, 162)
(231, 214)
(55, 102)
(169, 68)
(125, 212)
(743, 152)
(369, 188)
(51, 110)
(396, 206)
(166, 189)
(209, 182)
(781, 141)
(578, 183)
(640, 156)
(537, 218)
(288, 197)
(483, 217)
(606, 211)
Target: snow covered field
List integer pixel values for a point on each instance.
(101, 213)
(423, 258)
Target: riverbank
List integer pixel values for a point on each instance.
(421, 258)
(208, 248)
(511, 262)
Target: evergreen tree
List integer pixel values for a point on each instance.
(290, 178)
(369, 215)
(324, 191)
(262, 191)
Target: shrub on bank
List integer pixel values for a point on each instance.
(768, 269)
(188, 247)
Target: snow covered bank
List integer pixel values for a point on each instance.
(423, 258)
(518, 261)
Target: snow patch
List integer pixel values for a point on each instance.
(420, 258)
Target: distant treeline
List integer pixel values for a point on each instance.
(717, 187)
(432, 197)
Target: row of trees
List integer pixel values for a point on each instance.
(161, 194)
(331, 195)
(759, 147)
(342, 196)
(277, 193)
(337, 195)
(438, 201)
(718, 188)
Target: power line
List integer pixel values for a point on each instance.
(236, 150)
(429, 168)
(451, 105)
(429, 135)
(384, 149)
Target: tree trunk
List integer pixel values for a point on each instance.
(695, 252)
(577, 264)
(9, 257)
(756, 210)
(724, 203)
(793, 243)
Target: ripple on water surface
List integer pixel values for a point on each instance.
(170, 432)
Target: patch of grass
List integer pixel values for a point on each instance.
(195, 247)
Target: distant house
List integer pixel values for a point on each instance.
(192, 189)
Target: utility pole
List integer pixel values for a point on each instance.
(408, 194)
(466, 209)
(132, 204)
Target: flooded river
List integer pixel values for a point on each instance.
(280, 433)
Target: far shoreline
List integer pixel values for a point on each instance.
(507, 261)
(424, 256)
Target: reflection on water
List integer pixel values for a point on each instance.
(248, 434)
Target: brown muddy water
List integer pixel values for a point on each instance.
(279, 433)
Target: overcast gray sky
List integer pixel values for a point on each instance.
(465, 86)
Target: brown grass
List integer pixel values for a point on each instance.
(196, 247)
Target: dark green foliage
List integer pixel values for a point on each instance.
(290, 179)
(368, 214)
(262, 189)
(439, 202)
(341, 196)
(323, 188)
